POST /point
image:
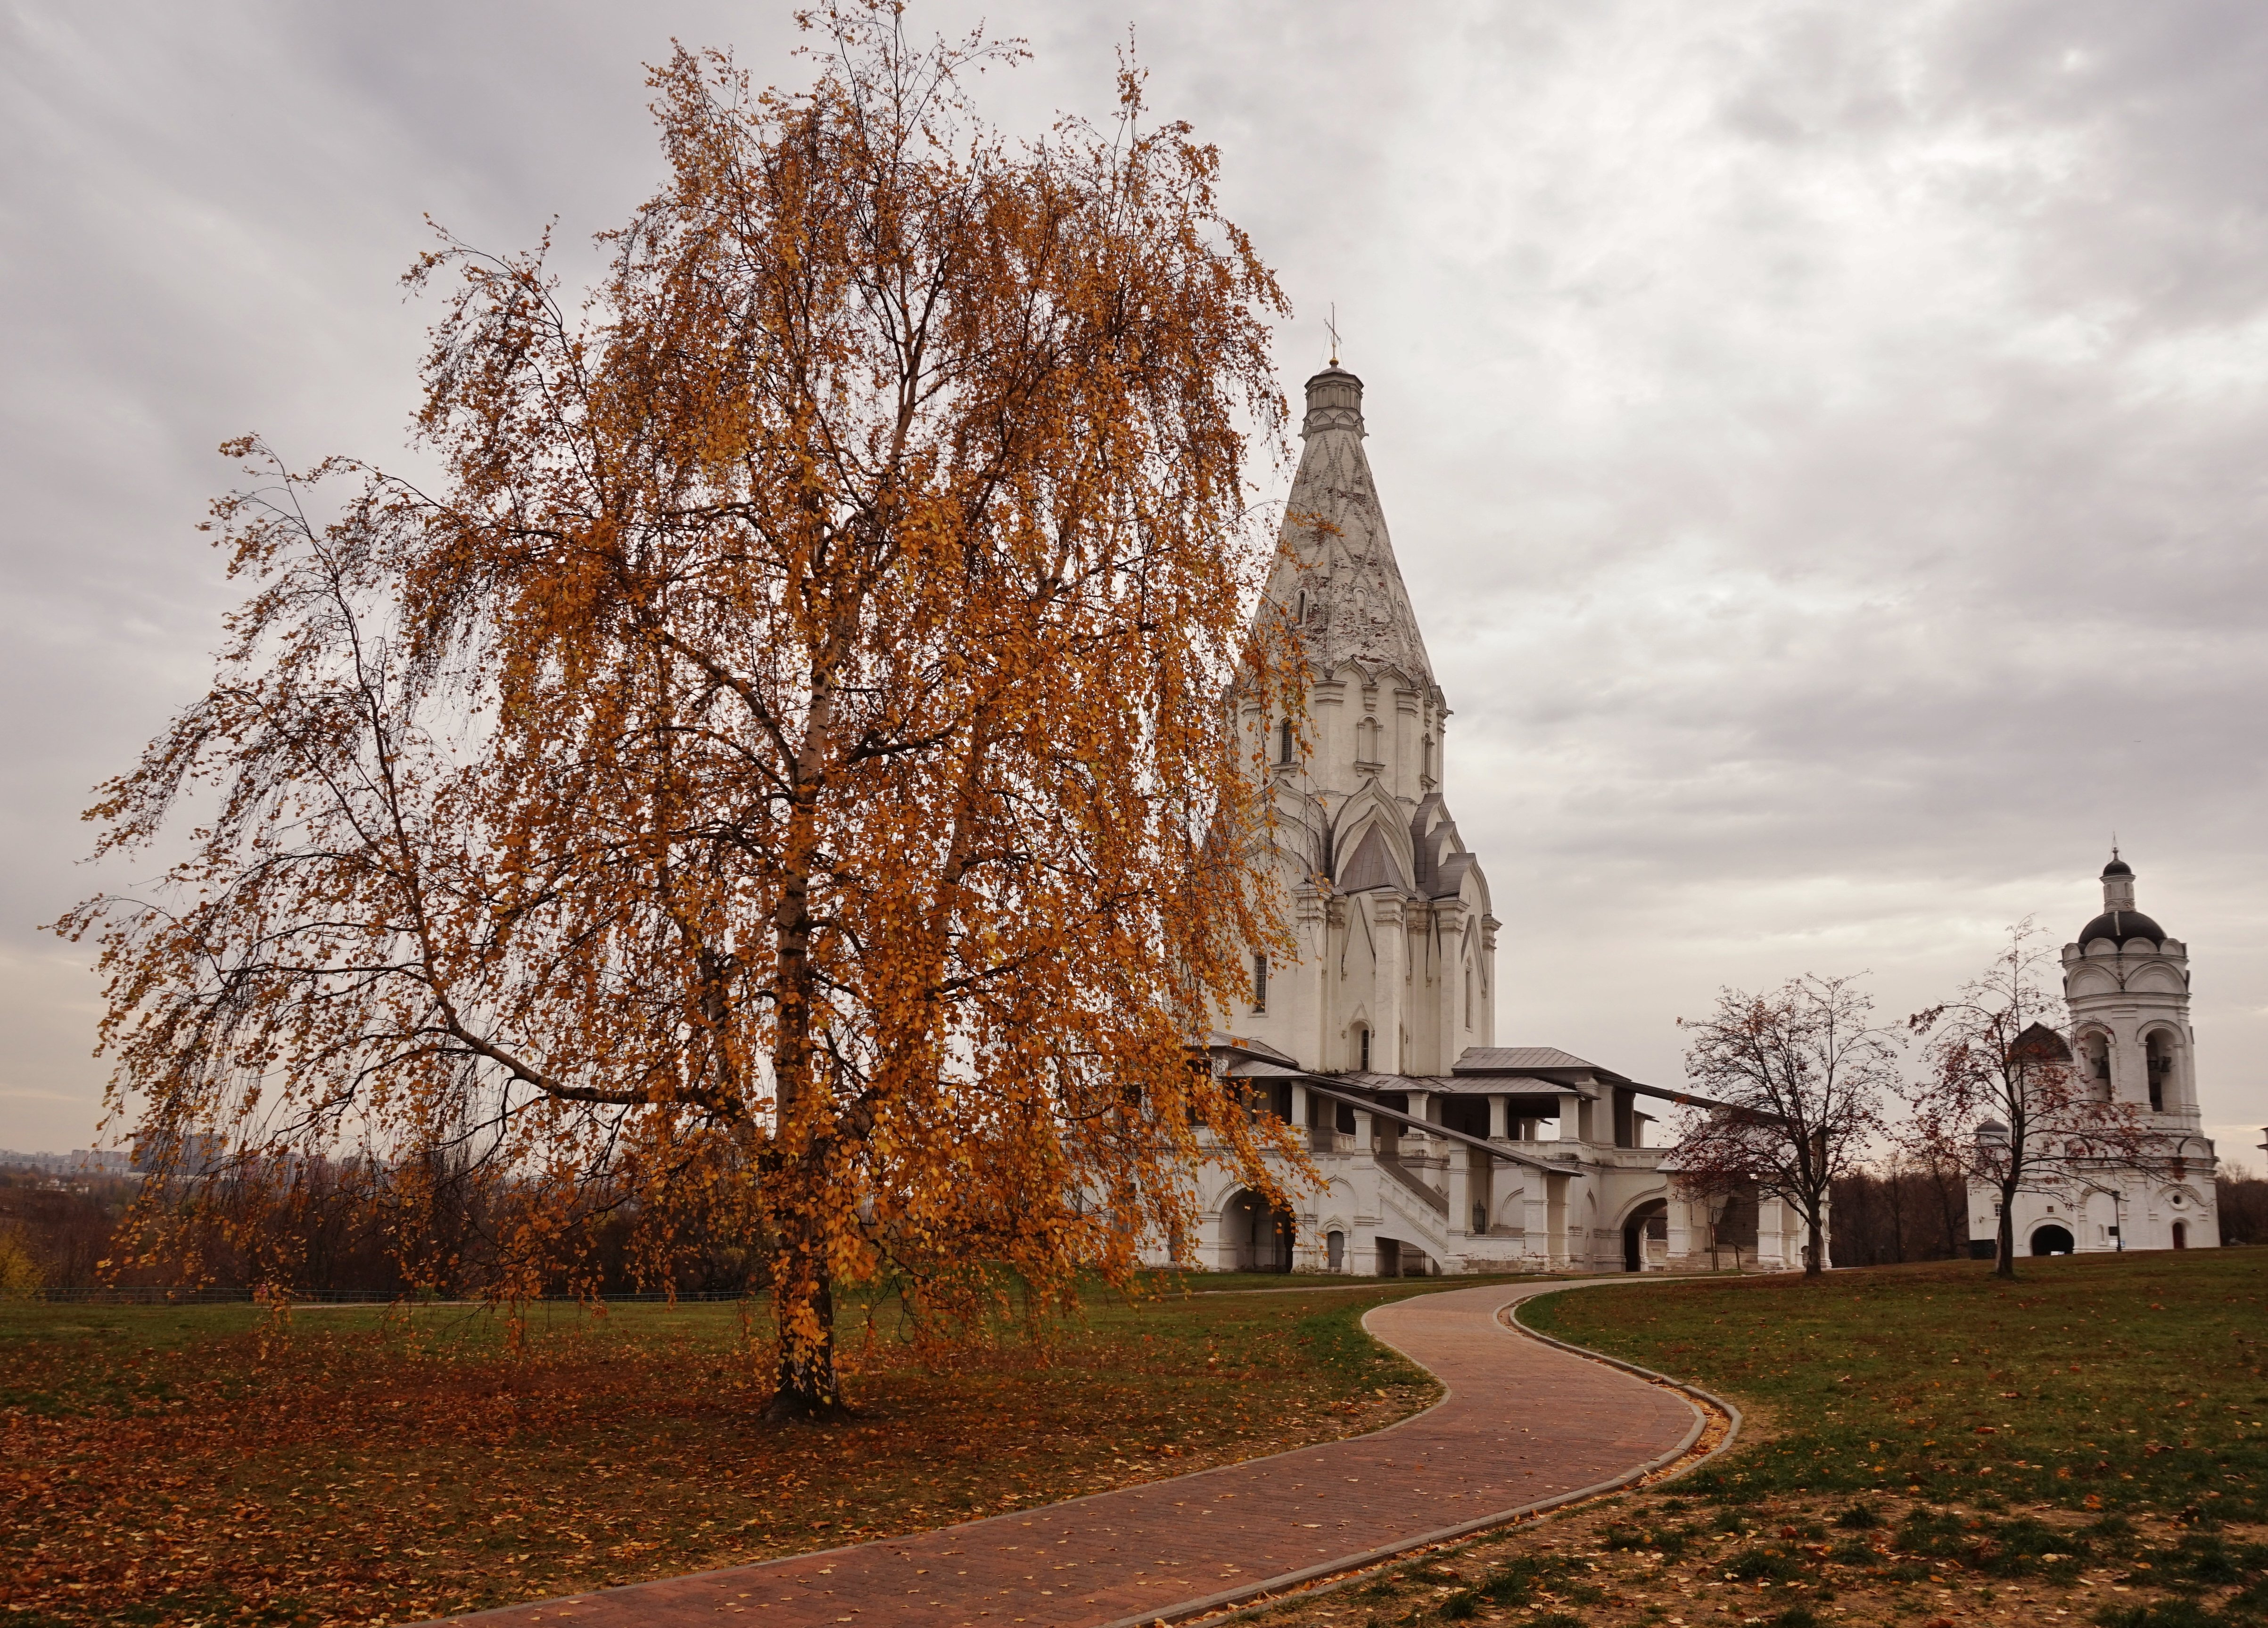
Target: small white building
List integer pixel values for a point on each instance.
(2127, 984)
(1441, 1151)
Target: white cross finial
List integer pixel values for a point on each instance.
(1332, 324)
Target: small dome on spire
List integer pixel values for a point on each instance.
(2120, 922)
(1334, 401)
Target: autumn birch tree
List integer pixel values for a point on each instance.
(777, 776)
(1796, 1078)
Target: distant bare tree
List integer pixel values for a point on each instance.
(1900, 1208)
(2242, 1198)
(1799, 1076)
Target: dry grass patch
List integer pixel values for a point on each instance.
(161, 1465)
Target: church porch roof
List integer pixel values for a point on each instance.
(1520, 1059)
(1357, 1086)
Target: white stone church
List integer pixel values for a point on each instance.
(1442, 1152)
(2128, 988)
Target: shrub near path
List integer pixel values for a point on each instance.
(1925, 1447)
(169, 1465)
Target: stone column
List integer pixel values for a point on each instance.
(1330, 1044)
(1771, 1234)
(1450, 1036)
(1361, 1258)
(1390, 1018)
(1461, 1214)
(1535, 1205)
(1484, 1025)
(1306, 982)
(1567, 1247)
(1680, 1222)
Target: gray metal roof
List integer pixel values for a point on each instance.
(1452, 1085)
(1483, 1070)
(1217, 1040)
(1514, 1059)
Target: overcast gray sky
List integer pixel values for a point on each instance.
(1823, 443)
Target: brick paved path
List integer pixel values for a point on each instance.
(1522, 1423)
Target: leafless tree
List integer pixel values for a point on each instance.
(1799, 1075)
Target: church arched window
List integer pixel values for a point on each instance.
(1259, 983)
(1362, 1047)
(2094, 1064)
(1469, 994)
(1367, 745)
(1283, 741)
(2158, 1054)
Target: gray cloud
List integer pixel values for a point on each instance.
(1822, 442)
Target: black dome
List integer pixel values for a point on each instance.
(2117, 867)
(2120, 925)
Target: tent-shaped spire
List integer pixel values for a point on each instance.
(1338, 581)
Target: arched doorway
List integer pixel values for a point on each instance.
(2180, 1234)
(1648, 1226)
(1257, 1236)
(2051, 1240)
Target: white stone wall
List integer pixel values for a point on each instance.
(1566, 1219)
(2107, 1210)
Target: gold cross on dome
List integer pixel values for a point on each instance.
(1332, 325)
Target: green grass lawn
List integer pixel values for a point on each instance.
(163, 1464)
(2099, 1382)
(1926, 1448)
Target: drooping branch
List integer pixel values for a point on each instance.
(763, 783)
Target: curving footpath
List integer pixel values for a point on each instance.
(1524, 1424)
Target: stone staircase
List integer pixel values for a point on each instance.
(1414, 1211)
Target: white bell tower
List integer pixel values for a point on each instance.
(2127, 984)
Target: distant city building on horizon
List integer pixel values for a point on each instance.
(79, 1161)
